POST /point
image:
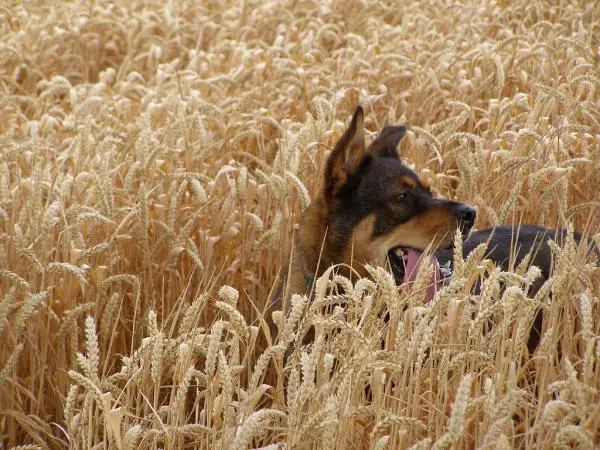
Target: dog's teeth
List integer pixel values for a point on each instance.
(446, 272)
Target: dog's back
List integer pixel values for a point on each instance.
(512, 243)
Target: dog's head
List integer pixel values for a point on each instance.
(376, 206)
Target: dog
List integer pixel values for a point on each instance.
(372, 209)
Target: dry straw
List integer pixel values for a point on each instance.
(155, 162)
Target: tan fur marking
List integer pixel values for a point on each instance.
(361, 249)
(424, 183)
(409, 182)
(435, 227)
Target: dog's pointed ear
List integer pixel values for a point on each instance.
(387, 142)
(347, 157)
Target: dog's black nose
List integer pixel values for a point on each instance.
(465, 215)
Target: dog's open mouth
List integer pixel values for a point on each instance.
(405, 263)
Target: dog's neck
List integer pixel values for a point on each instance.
(309, 248)
(317, 248)
(307, 274)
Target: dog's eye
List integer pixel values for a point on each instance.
(401, 198)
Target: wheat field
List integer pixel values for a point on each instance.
(154, 160)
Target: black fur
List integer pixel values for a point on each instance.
(518, 241)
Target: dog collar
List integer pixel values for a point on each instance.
(308, 278)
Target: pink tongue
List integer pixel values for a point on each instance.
(413, 262)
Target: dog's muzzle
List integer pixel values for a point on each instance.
(465, 216)
(405, 263)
